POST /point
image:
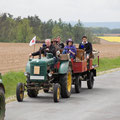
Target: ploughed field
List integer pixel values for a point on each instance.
(14, 56)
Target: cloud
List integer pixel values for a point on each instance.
(68, 10)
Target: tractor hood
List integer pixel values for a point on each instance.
(44, 61)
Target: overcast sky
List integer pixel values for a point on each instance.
(68, 10)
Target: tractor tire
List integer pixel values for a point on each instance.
(56, 92)
(77, 85)
(90, 82)
(66, 84)
(20, 92)
(32, 93)
(2, 104)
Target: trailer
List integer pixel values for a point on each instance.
(83, 69)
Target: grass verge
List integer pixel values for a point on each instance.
(108, 63)
(10, 81)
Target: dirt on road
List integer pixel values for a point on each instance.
(14, 56)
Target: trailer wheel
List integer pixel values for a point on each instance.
(32, 93)
(2, 104)
(66, 84)
(56, 92)
(77, 85)
(20, 92)
(90, 82)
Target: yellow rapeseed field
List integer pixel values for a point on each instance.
(110, 38)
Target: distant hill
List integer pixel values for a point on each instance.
(110, 25)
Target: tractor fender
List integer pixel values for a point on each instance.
(63, 67)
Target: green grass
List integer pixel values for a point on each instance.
(10, 81)
(108, 63)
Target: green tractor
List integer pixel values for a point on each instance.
(2, 99)
(46, 73)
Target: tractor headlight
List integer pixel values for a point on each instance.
(49, 74)
(26, 74)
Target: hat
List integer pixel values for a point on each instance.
(69, 40)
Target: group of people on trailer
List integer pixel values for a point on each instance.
(56, 45)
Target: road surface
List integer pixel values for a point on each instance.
(100, 103)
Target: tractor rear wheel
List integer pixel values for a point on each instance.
(32, 93)
(77, 84)
(20, 92)
(2, 104)
(90, 82)
(56, 92)
(66, 84)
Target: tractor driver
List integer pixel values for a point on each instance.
(47, 48)
(87, 46)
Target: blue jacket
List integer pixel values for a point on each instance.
(72, 48)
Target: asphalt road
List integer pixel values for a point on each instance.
(100, 103)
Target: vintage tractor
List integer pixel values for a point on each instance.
(83, 69)
(2, 99)
(45, 73)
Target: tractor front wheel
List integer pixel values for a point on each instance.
(2, 104)
(56, 92)
(20, 92)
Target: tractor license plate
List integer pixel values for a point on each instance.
(37, 77)
(37, 70)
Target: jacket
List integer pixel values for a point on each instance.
(87, 47)
(72, 48)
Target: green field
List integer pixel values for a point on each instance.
(11, 79)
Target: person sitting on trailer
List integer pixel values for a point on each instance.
(70, 48)
(87, 46)
(55, 44)
(47, 48)
(61, 45)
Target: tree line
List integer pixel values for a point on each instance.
(104, 30)
(24, 29)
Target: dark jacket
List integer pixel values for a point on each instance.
(61, 45)
(43, 51)
(87, 47)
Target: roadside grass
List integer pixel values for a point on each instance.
(11, 79)
(107, 63)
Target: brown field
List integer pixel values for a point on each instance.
(14, 56)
